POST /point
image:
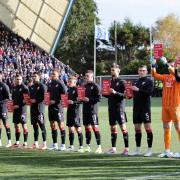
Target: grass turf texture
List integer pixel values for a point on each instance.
(28, 164)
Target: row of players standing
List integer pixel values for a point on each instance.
(116, 107)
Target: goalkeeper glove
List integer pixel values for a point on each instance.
(164, 61)
(153, 62)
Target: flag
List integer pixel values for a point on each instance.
(101, 33)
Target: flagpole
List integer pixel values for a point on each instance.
(151, 51)
(94, 51)
(150, 31)
(115, 40)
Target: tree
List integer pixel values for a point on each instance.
(76, 45)
(132, 41)
(167, 32)
(133, 66)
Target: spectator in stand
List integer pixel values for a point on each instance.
(21, 56)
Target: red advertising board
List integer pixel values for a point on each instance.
(106, 87)
(64, 100)
(158, 51)
(81, 92)
(128, 89)
(10, 106)
(46, 98)
(27, 99)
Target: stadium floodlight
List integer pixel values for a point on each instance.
(39, 21)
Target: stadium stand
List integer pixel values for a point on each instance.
(21, 56)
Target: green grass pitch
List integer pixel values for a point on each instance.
(28, 164)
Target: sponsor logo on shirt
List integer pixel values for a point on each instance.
(143, 83)
(169, 82)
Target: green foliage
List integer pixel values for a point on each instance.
(166, 31)
(133, 66)
(132, 41)
(76, 45)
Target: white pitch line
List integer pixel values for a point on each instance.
(155, 176)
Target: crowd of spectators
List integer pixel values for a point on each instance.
(23, 57)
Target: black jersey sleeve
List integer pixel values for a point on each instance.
(97, 95)
(177, 75)
(40, 98)
(63, 88)
(6, 92)
(148, 88)
(121, 89)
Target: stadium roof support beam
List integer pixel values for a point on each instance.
(39, 21)
(54, 47)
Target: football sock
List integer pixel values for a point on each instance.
(17, 134)
(149, 138)
(167, 138)
(8, 132)
(43, 131)
(63, 136)
(88, 135)
(36, 132)
(113, 139)
(126, 138)
(80, 138)
(114, 133)
(71, 138)
(98, 137)
(138, 136)
(54, 135)
(25, 135)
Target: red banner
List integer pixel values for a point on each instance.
(46, 98)
(158, 51)
(81, 92)
(106, 87)
(128, 89)
(27, 99)
(64, 100)
(10, 106)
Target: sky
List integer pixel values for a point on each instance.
(146, 12)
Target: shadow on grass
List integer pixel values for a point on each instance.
(28, 164)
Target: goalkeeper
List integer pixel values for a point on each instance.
(170, 104)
